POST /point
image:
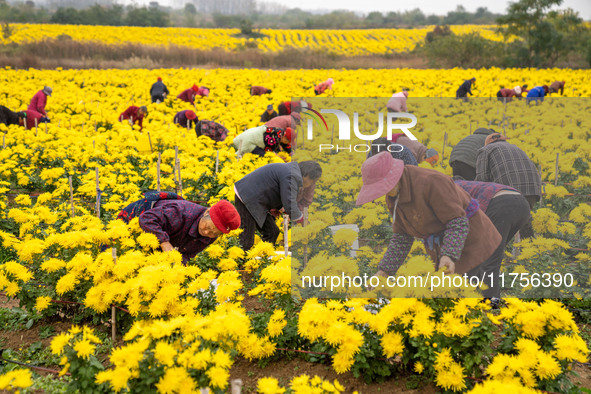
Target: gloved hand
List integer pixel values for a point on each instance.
(300, 221)
(275, 212)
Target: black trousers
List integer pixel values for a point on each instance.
(509, 213)
(269, 231)
(158, 97)
(464, 170)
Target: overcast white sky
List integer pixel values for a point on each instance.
(438, 7)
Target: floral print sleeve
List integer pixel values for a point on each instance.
(454, 237)
(398, 249)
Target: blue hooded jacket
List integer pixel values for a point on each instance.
(536, 93)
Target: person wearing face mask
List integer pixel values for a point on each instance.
(427, 204)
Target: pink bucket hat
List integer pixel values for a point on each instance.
(380, 174)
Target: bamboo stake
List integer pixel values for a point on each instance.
(35, 127)
(113, 314)
(45, 127)
(176, 160)
(71, 196)
(331, 134)
(150, 141)
(515, 251)
(541, 194)
(178, 171)
(556, 170)
(305, 245)
(236, 386)
(444, 143)
(158, 172)
(180, 180)
(217, 161)
(285, 234)
(98, 194)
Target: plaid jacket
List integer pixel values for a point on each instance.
(504, 163)
(466, 150)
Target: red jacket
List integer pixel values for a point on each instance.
(187, 95)
(133, 113)
(258, 90)
(282, 122)
(508, 93)
(202, 91)
(321, 87)
(38, 103)
(29, 123)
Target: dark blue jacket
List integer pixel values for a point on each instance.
(158, 89)
(273, 186)
(465, 88)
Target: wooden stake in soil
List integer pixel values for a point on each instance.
(45, 127)
(541, 194)
(176, 160)
(35, 127)
(113, 314)
(98, 194)
(150, 141)
(556, 170)
(236, 386)
(443, 150)
(71, 195)
(285, 234)
(217, 161)
(158, 172)
(331, 134)
(177, 164)
(305, 245)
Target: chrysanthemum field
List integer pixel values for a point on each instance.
(182, 328)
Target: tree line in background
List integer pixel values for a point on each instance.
(534, 36)
(233, 14)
